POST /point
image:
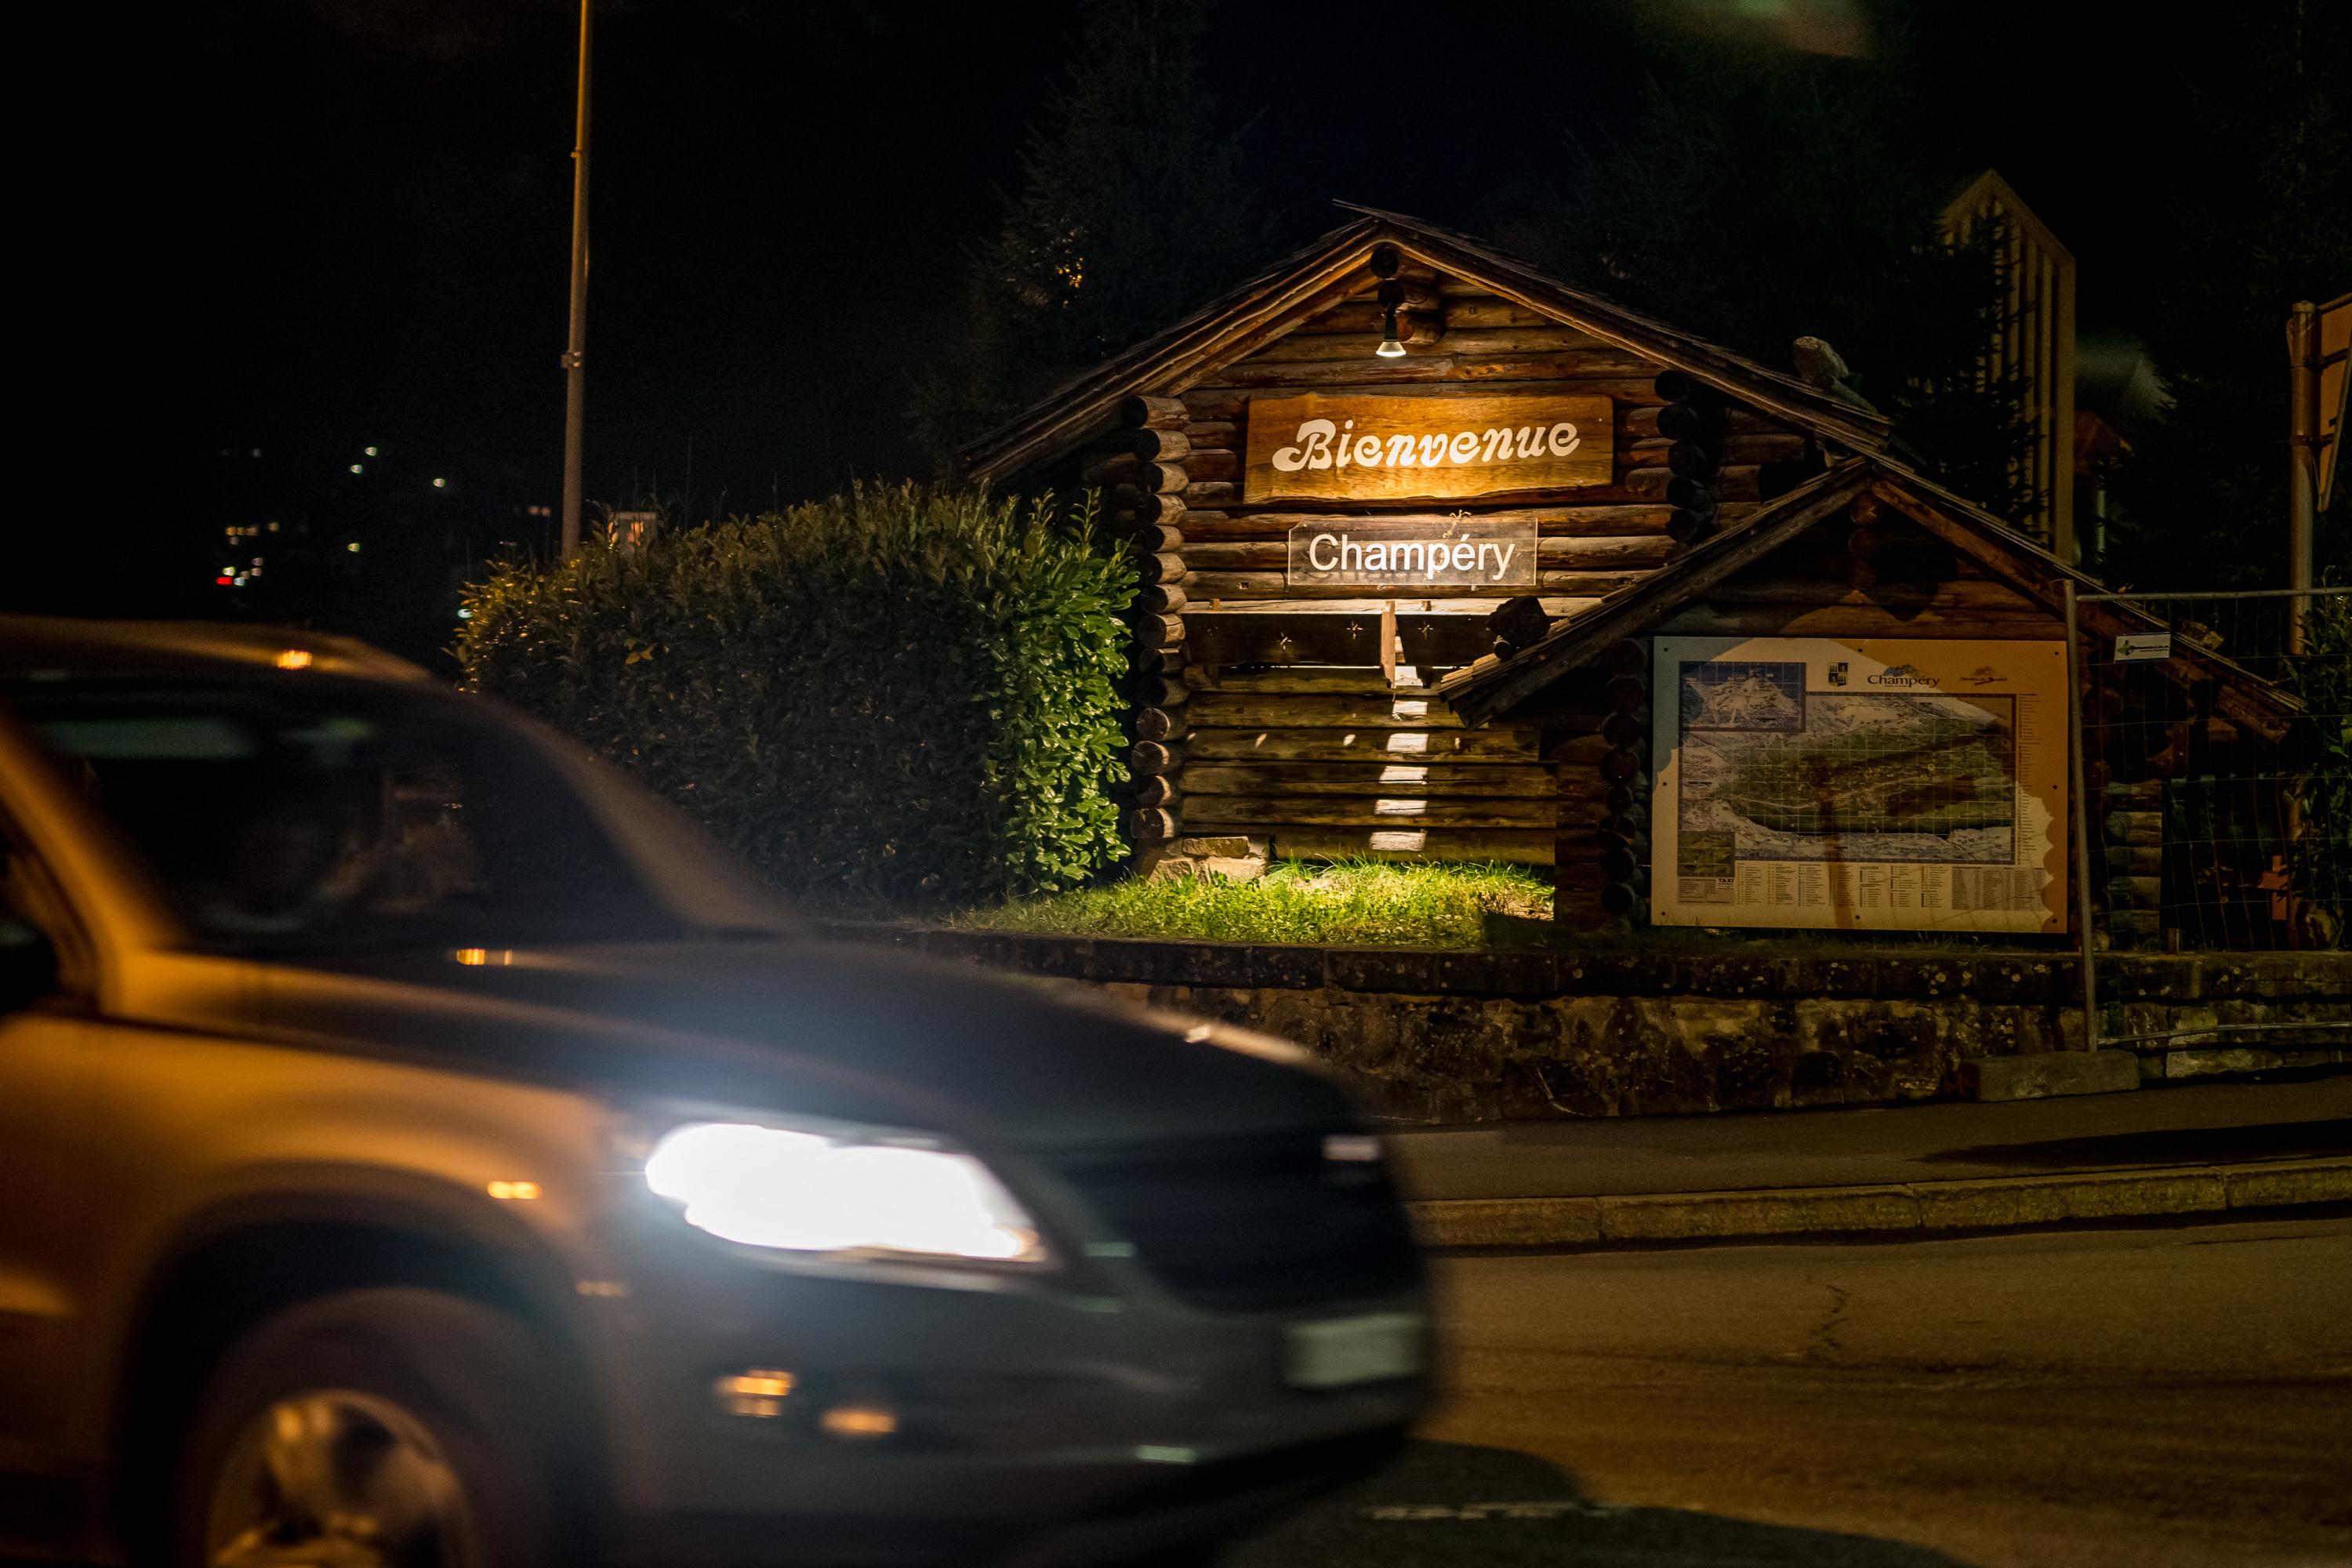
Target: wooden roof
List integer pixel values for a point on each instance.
(1246, 318)
(1493, 687)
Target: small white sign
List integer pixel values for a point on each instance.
(2135, 647)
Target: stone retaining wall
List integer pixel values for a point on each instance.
(1472, 1036)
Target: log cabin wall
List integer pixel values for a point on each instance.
(1298, 714)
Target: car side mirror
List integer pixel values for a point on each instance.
(28, 965)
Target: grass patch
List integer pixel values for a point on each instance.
(1357, 903)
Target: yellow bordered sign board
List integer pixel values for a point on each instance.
(1893, 784)
(1373, 447)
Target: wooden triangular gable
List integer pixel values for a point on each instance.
(1339, 265)
(1494, 687)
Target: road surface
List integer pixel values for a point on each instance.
(2176, 1397)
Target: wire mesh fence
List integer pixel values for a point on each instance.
(2217, 768)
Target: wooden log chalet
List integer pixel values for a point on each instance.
(1282, 686)
(1416, 524)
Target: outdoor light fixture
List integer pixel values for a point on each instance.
(1386, 259)
(1391, 296)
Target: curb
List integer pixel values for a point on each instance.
(1922, 1208)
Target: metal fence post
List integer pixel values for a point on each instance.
(2074, 748)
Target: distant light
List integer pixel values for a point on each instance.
(759, 1393)
(273, 528)
(440, 484)
(353, 547)
(357, 470)
(294, 658)
(225, 582)
(369, 450)
(857, 1421)
(514, 1192)
(463, 614)
(257, 451)
(472, 956)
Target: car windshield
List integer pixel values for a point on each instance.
(341, 816)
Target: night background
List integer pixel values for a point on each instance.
(801, 210)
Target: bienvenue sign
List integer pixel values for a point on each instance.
(1369, 448)
(1453, 552)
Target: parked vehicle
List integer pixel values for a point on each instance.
(421, 1147)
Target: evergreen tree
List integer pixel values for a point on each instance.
(2263, 220)
(1132, 213)
(1765, 196)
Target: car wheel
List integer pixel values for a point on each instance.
(380, 1428)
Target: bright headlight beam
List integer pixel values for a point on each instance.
(812, 1191)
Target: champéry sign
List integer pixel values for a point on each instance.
(1371, 447)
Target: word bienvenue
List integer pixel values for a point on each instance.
(1322, 444)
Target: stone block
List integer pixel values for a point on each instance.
(2044, 1075)
(2290, 1182)
(2140, 828)
(1507, 1222)
(1531, 972)
(2207, 1063)
(1690, 1216)
(2045, 1200)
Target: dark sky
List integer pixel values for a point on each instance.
(367, 204)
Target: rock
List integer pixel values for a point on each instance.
(2043, 1074)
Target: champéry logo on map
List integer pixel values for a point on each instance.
(1903, 675)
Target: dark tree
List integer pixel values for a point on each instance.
(1132, 213)
(1765, 194)
(2262, 219)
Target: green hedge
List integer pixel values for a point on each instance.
(900, 694)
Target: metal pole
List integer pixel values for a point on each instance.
(2082, 814)
(575, 354)
(2303, 459)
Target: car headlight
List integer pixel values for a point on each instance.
(837, 1191)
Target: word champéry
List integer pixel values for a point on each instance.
(1324, 445)
(1338, 553)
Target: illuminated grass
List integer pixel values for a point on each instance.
(1355, 903)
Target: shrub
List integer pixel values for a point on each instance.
(899, 694)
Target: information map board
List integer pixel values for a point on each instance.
(1865, 785)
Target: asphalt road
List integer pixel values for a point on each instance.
(2179, 1397)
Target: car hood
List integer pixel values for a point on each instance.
(812, 1028)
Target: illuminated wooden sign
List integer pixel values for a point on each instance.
(1414, 449)
(1438, 552)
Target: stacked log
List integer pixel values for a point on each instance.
(1696, 420)
(1603, 855)
(1624, 833)
(2135, 864)
(1144, 469)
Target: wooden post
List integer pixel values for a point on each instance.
(2081, 814)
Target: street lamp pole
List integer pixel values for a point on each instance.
(575, 353)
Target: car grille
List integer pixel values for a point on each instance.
(1255, 1223)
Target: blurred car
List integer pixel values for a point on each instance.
(421, 1147)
